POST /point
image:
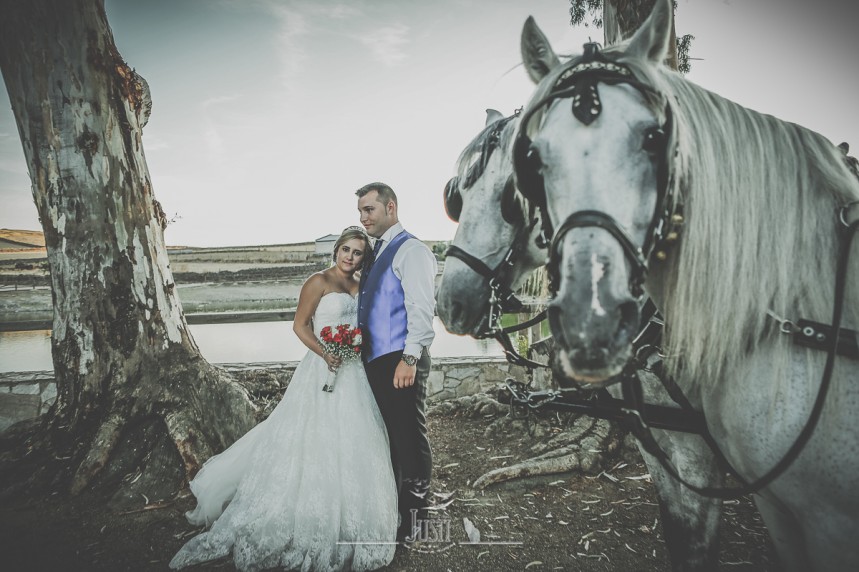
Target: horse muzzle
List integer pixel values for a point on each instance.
(593, 318)
(461, 302)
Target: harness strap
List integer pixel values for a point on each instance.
(513, 356)
(642, 432)
(472, 261)
(526, 324)
(601, 405)
(818, 336)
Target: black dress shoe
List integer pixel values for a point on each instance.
(403, 534)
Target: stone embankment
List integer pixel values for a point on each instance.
(25, 395)
(42, 278)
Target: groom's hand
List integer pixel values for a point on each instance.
(404, 376)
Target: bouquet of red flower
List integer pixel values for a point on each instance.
(342, 341)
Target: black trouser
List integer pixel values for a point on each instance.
(405, 418)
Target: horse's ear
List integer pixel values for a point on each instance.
(537, 54)
(493, 115)
(651, 40)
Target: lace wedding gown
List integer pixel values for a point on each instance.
(309, 488)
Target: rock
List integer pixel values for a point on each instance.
(435, 382)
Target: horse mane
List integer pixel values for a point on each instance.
(760, 198)
(479, 147)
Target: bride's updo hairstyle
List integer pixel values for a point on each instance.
(348, 234)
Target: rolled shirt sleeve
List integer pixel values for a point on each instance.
(416, 267)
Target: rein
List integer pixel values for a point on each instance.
(502, 298)
(644, 435)
(640, 418)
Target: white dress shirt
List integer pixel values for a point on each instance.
(414, 264)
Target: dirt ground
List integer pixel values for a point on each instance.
(605, 521)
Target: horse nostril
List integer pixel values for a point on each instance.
(590, 356)
(456, 310)
(628, 325)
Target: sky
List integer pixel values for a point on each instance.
(269, 114)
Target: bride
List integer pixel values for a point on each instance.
(311, 487)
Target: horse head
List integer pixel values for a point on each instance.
(490, 255)
(591, 152)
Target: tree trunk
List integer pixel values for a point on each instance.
(138, 408)
(621, 18)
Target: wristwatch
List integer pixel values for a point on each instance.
(410, 360)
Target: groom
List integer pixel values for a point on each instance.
(395, 312)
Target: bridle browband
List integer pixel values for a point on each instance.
(578, 81)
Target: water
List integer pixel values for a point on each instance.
(228, 343)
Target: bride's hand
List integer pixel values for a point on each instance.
(332, 361)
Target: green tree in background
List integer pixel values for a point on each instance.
(619, 19)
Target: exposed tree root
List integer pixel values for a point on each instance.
(581, 444)
(99, 453)
(553, 462)
(563, 454)
(144, 449)
(187, 437)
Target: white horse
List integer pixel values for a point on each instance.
(476, 199)
(729, 220)
(496, 241)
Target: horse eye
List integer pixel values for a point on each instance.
(654, 138)
(533, 159)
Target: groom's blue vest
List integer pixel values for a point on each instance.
(382, 305)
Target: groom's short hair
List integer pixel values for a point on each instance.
(386, 193)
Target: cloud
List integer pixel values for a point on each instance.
(289, 47)
(154, 143)
(387, 43)
(338, 11)
(212, 136)
(207, 103)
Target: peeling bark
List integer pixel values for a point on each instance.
(123, 355)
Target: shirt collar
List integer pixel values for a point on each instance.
(391, 233)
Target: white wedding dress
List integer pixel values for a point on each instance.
(309, 488)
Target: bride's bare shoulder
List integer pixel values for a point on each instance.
(317, 283)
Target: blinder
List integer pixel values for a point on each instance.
(512, 203)
(512, 206)
(454, 187)
(452, 199)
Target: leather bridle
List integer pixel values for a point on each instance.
(578, 81)
(502, 298)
